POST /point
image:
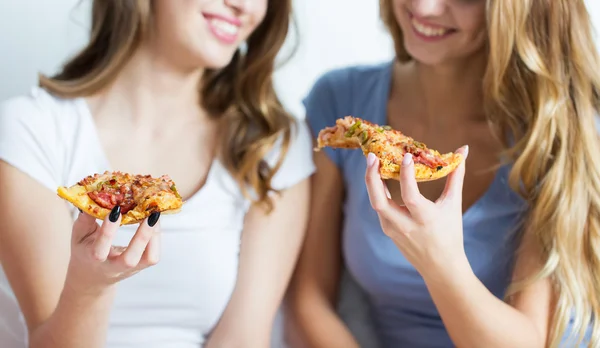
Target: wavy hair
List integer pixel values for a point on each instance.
(542, 89)
(242, 93)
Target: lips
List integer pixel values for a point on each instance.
(224, 26)
(427, 30)
(225, 29)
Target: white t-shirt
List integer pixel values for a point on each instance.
(178, 301)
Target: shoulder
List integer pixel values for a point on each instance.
(356, 90)
(33, 131)
(36, 109)
(341, 81)
(297, 162)
(343, 91)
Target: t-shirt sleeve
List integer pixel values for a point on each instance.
(298, 162)
(322, 106)
(26, 134)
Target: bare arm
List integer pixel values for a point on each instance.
(476, 318)
(35, 241)
(269, 249)
(314, 289)
(429, 234)
(63, 274)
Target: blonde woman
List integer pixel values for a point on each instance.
(437, 260)
(164, 87)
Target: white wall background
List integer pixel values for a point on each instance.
(37, 36)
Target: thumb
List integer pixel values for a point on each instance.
(454, 183)
(85, 225)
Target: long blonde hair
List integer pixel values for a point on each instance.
(542, 89)
(242, 93)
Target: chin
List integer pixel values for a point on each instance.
(215, 58)
(216, 64)
(426, 58)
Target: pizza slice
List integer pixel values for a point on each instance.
(137, 195)
(389, 146)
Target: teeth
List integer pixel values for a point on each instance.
(225, 27)
(428, 31)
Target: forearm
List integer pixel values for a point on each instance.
(320, 326)
(474, 317)
(240, 326)
(78, 321)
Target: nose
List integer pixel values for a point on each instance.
(428, 8)
(239, 6)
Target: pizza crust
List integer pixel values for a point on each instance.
(77, 195)
(391, 170)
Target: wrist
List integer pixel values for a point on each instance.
(454, 272)
(75, 291)
(82, 284)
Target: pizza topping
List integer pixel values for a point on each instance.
(424, 156)
(353, 129)
(419, 144)
(174, 189)
(126, 190)
(364, 138)
(108, 196)
(382, 140)
(152, 206)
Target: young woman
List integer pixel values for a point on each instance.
(436, 260)
(164, 87)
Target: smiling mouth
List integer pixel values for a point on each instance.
(428, 30)
(224, 29)
(223, 26)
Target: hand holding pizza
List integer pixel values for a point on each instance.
(96, 264)
(429, 234)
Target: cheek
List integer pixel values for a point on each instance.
(474, 27)
(398, 8)
(478, 36)
(256, 14)
(176, 20)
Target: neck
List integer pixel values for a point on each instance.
(149, 88)
(448, 93)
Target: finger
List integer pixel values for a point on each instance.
(376, 187)
(132, 256)
(409, 190)
(387, 191)
(104, 237)
(454, 182)
(83, 227)
(116, 250)
(152, 253)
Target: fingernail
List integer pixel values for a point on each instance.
(371, 159)
(406, 159)
(466, 150)
(153, 219)
(114, 213)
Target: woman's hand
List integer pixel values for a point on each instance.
(429, 234)
(96, 264)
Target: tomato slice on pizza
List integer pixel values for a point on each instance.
(137, 195)
(389, 146)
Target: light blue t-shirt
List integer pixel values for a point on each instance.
(402, 310)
